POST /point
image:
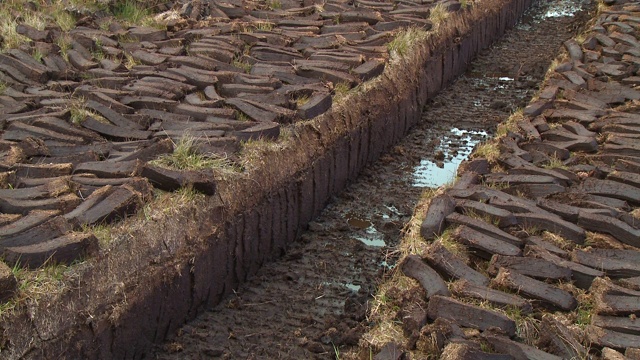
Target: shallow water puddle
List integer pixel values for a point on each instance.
(563, 8)
(434, 174)
(371, 237)
(358, 223)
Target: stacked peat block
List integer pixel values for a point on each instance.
(551, 226)
(79, 125)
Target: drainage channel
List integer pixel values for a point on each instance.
(312, 303)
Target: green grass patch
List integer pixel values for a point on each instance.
(405, 42)
(130, 11)
(488, 150)
(64, 43)
(300, 101)
(439, 14)
(79, 112)
(340, 90)
(263, 26)
(245, 66)
(15, 12)
(185, 156)
(274, 4)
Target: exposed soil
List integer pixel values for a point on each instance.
(313, 302)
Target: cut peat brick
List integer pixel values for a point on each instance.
(503, 217)
(33, 218)
(434, 223)
(498, 298)
(110, 169)
(50, 229)
(533, 267)
(60, 250)
(113, 116)
(171, 180)
(608, 304)
(483, 227)
(486, 244)
(631, 283)
(20, 206)
(318, 104)
(546, 245)
(582, 275)
(469, 315)
(263, 130)
(77, 215)
(115, 131)
(612, 189)
(624, 324)
(536, 289)
(610, 225)
(121, 202)
(611, 299)
(552, 223)
(42, 170)
(469, 351)
(614, 268)
(613, 339)
(447, 263)
(253, 112)
(560, 340)
(429, 279)
(518, 350)
(567, 212)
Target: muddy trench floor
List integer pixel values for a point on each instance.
(313, 302)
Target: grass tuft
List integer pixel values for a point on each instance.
(79, 112)
(274, 4)
(340, 90)
(14, 13)
(439, 14)
(239, 63)
(511, 125)
(555, 163)
(130, 61)
(185, 156)
(263, 26)
(405, 42)
(488, 150)
(130, 11)
(64, 43)
(300, 101)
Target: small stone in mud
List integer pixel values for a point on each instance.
(498, 104)
(315, 347)
(315, 227)
(439, 155)
(212, 352)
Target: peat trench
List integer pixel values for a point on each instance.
(313, 303)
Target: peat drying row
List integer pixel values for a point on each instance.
(534, 251)
(318, 299)
(161, 268)
(84, 112)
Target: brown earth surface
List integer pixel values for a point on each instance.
(315, 302)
